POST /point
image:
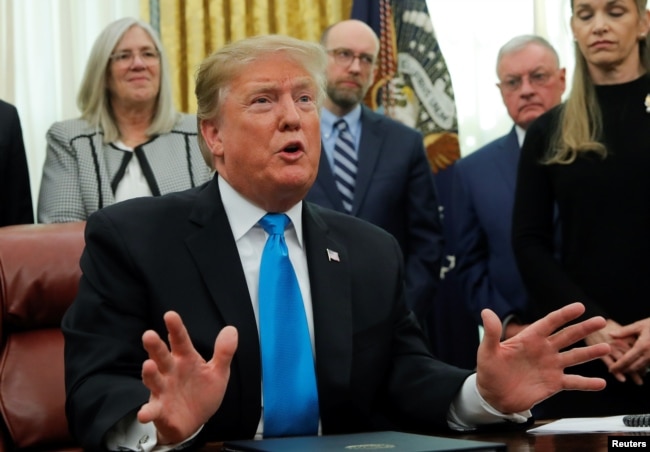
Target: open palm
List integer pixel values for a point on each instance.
(185, 389)
(520, 372)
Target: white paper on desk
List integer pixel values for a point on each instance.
(587, 425)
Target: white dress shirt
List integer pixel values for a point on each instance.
(133, 184)
(521, 135)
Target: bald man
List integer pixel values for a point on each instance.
(392, 186)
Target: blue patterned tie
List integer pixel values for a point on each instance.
(345, 164)
(289, 375)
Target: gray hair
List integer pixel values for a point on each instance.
(93, 98)
(218, 70)
(520, 42)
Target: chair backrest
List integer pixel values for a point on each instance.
(39, 278)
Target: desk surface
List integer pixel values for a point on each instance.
(523, 442)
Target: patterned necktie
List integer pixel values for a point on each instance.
(289, 375)
(345, 164)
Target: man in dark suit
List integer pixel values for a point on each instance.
(186, 267)
(394, 187)
(531, 82)
(15, 192)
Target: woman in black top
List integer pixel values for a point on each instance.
(591, 157)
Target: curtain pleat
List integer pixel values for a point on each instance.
(192, 29)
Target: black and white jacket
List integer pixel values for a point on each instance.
(81, 173)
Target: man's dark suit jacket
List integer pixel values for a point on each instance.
(483, 198)
(15, 192)
(147, 256)
(395, 191)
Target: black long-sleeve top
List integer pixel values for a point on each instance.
(604, 209)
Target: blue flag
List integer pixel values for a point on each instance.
(412, 84)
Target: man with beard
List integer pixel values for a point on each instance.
(385, 177)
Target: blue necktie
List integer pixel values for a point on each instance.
(345, 164)
(289, 375)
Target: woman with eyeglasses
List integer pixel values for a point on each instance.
(129, 141)
(591, 157)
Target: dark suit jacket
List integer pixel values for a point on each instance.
(395, 191)
(483, 197)
(146, 256)
(15, 192)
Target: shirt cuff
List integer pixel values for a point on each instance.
(131, 435)
(470, 410)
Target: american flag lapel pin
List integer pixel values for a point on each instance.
(333, 256)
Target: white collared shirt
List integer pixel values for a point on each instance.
(250, 239)
(521, 135)
(133, 184)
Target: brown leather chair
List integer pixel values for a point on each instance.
(39, 277)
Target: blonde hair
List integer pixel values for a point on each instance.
(580, 121)
(218, 70)
(93, 98)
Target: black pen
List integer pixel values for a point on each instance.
(637, 420)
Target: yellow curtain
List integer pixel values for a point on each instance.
(192, 29)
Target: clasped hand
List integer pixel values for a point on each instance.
(630, 349)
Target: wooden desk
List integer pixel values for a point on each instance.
(520, 441)
(524, 442)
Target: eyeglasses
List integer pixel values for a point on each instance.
(345, 57)
(537, 79)
(126, 58)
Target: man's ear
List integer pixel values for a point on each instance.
(563, 79)
(212, 135)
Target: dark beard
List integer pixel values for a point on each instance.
(344, 99)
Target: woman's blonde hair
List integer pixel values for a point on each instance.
(580, 122)
(93, 98)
